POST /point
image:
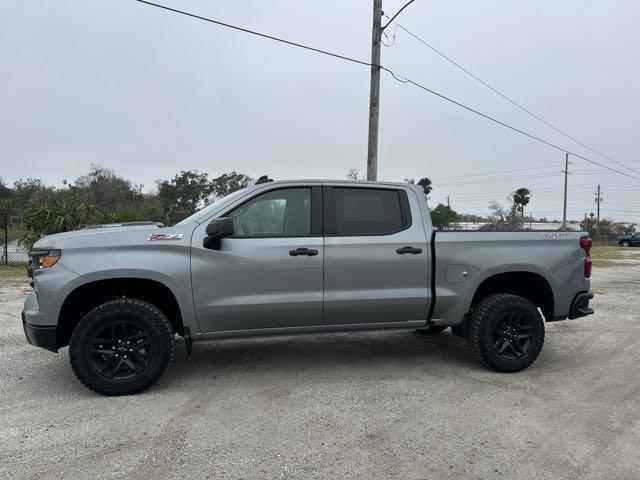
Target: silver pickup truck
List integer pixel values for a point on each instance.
(296, 257)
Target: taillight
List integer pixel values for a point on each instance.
(585, 244)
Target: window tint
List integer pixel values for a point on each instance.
(285, 212)
(367, 211)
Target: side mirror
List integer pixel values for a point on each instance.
(217, 229)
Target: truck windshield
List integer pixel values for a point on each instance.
(201, 215)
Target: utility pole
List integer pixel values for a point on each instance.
(374, 93)
(566, 174)
(448, 203)
(598, 201)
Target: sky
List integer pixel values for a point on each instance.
(148, 93)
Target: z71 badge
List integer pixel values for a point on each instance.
(556, 236)
(164, 236)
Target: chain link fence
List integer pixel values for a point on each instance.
(605, 239)
(11, 231)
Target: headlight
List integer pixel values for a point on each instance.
(45, 258)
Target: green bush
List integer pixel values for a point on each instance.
(54, 214)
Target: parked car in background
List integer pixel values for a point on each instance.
(629, 240)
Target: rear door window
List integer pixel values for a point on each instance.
(365, 211)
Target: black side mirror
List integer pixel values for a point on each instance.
(217, 229)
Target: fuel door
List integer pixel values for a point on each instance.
(456, 273)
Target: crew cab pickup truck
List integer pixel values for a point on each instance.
(296, 257)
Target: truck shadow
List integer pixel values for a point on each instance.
(356, 353)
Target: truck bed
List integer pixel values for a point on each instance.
(464, 259)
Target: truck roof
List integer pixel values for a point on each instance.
(340, 181)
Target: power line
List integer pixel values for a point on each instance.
(508, 99)
(498, 179)
(548, 166)
(397, 13)
(495, 120)
(394, 75)
(253, 32)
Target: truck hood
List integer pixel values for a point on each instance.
(106, 236)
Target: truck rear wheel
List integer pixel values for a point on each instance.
(121, 347)
(506, 332)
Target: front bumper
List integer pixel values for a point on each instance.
(580, 306)
(40, 336)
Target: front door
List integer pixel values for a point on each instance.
(376, 256)
(269, 274)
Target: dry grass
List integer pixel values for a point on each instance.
(610, 256)
(13, 271)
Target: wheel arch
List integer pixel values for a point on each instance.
(86, 297)
(530, 285)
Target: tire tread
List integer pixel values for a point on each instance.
(154, 314)
(480, 312)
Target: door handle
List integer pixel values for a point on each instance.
(404, 250)
(310, 252)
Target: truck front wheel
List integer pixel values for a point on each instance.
(121, 347)
(506, 332)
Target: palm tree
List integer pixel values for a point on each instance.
(426, 185)
(521, 199)
(53, 215)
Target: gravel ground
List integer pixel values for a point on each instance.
(359, 405)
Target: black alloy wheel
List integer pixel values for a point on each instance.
(121, 350)
(512, 335)
(506, 332)
(121, 347)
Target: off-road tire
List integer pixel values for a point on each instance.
(431, 330)
(486, 323)
(138, 314)
(625, 244)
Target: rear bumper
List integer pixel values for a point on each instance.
(580, 305)
(40, 336)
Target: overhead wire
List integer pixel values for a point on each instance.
(507, 98)
(393, 74)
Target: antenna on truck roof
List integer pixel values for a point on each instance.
(264, 179)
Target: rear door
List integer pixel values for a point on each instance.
(376, 264)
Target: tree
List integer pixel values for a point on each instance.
(443, 217)
(503, 218)
(228, 183)
(5, 209)
(354, 174)
(426, 185)
(607, 227)
(103, 189)
(5, 192)
(186, 192)
(28, 189)
(521, 199)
